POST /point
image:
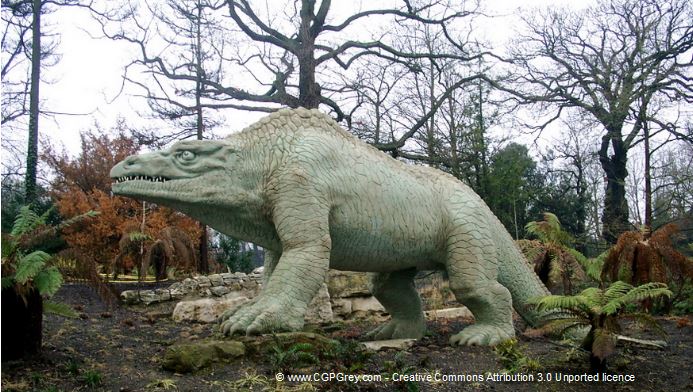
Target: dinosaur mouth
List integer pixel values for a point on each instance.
(121, 180)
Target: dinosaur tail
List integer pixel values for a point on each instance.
(516, 275)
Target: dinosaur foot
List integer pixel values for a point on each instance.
(398, 329)
(482, 335)
(264, 316)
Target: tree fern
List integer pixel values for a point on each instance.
(24, 267)
(638, 259)
(556, 264)
(599, 309)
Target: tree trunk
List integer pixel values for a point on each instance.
(308, 89)
(32, 147)
(648, 181)
(203, 264)
(615, 215)
(21, 324)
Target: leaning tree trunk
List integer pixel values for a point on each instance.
(615, 215)
(21, 324)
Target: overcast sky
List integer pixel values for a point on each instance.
(87, 79)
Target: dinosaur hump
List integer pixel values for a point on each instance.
(294, 119)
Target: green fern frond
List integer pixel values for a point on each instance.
(534, 228)
(30, 265)
(636, 294)
(650, 290)
(563, 302)
(593, 268)
(26, 221)
(577, 255)
(7, 282)
(76, 219)
(561, 325)
(617, 290)
(48, 281)
(138, 236)
(593, 296)
(7, 246)
(59, 308)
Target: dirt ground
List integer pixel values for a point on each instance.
(121, 349)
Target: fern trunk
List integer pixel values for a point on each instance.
(21, 324)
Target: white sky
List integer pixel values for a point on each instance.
(88, 77)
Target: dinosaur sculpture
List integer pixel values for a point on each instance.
(315, 198)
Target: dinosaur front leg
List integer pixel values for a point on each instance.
(271, 260)
(282, 303)
(396, 292)
(300, 271)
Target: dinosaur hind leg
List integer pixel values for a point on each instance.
(472, 268)
(396, 292)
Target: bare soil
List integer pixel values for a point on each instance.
(121, 349)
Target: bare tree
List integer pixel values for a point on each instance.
(291, 54)
(609, 62)
(24, 41)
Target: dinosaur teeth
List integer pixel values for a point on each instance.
(141, 178)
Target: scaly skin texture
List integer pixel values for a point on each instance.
(317, 198)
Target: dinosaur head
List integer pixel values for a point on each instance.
(187, 173)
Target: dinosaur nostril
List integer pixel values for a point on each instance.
(129, 161)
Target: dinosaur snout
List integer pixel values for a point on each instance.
(125, 167)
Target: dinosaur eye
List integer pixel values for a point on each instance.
(186, 156)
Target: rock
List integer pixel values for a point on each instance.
(341, 307)
(366, 305)
(449, 313)
(206, 310)
(320, 309)
(219, 291)
(186, 358)
(259, 270)
(130, 297)
(343, 284)
(357, 307)
(399, 344)
(203, 281)
(216, 280)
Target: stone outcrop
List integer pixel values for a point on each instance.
(186, 358)
(205, 310)
(203, 299)
(236, 284)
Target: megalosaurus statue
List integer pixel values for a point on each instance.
(315, 197)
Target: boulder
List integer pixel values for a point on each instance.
(186, 358)
(397, 344)
(206, 310)
(358, 307)
(343, 284)
(366, 305)
(449, 313)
